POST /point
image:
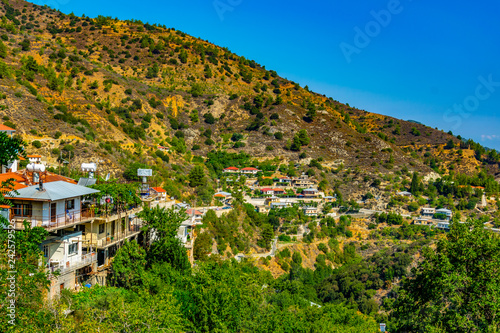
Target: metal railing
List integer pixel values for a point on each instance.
(109, 240)
(73, 263)
(57, 221)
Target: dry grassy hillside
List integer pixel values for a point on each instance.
(114, 90)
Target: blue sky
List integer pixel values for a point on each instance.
(434, 62)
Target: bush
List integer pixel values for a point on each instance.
(278, 135)
(209, 118)
(36, 144)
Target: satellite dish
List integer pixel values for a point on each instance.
(107, 176)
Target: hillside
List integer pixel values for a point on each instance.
(111, 91)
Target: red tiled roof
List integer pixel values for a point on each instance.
(17, 180)
(231, 168)
(190, 212)
(219, 195)
(250, 169)
(5, 128)
(34, 156)
(159, 189)
(266, 189)
(278, 190)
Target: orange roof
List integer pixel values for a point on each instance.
(159, 189)
(231, 168)
(250, 169)
(220, 196)
(34, 156)
(4, 206)
(17, 180)
(5, 128)
(52, 177)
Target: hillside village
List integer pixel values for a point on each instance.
(161, 181)
(87, 226)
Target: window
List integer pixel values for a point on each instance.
(46, 251)
(22, 209)
(73, 248)
(70, 204)
(101, 228)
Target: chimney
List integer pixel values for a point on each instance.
(40, 186)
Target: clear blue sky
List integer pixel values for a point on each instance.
(437, 62)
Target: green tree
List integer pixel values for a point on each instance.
(128, 266)
(456, 288)
(415, 184)
(160, 228)
(197, 176)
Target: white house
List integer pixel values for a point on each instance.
(427, 211)
(63, 253)
(249, 171)
(54, 205)
(310, 211)
(231, 170)
(446, 212)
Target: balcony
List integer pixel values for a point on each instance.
(93, 239)
(114, 215)
(59, 221)
(72, 264)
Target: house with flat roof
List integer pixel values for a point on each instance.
(446, 212)
(427, 212)
(64, 253)
(310, 192)
(310, 211)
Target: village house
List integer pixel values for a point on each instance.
(285, 180)
(310, 211)
(310, 192)
(278, 191)
(427, 212)
(269, 200)
(159, 193)
(249, 171)
(267, 191)
(330, 199)
(7, 130)
(303, 181)
(163, 149)
(231, 170)
(64, 252)
(445, 212)
(404, 194)
(279, 205)
(34, 158)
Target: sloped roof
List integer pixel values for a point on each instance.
(53, 191)
(17, 180)
(159, 189)
(6, 128)
(250, 169)
(231, 168)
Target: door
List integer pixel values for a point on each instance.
(53, 211)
